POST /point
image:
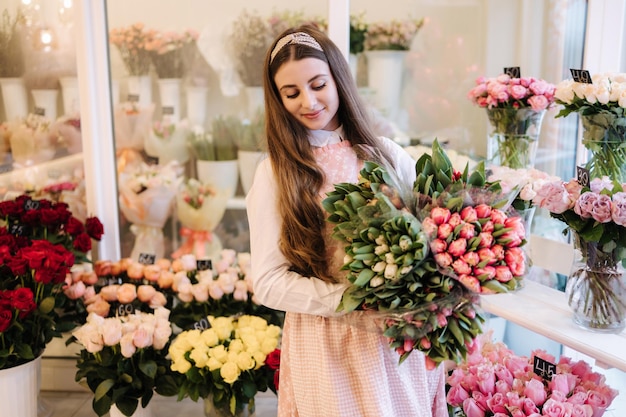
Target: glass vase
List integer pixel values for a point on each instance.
(211, 410)
(604, 135)
(596, 287)
(513, 136)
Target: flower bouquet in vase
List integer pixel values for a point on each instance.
(199, 209)
(224, 363)
(596, 216)
(250, 145)
(493, 381)
(601, 106)
(147, 197)
(515, 109)
(133, 123)
(123, 361)
(32, 141)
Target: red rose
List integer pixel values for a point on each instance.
(6, 316)
(94, 228)
(23, 300)
(63, 211)
(276, 379)
(74, 227)
(18, 265)
(11, 208)
(31, 218)
(49, 217)
(273, 359)
(82, 242)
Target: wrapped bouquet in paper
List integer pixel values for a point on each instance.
(147, 197)
(68, 133)
(199, 208)
(31, 140)
(167, 141)
(132, 126)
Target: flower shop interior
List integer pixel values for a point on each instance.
(148, 116)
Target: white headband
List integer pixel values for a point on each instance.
(299, 38)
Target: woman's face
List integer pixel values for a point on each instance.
(308, 91)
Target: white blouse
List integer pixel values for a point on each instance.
(275, 286)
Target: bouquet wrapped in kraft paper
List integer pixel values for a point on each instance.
(199, 208)
(146, 200)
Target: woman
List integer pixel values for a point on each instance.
(318, 134)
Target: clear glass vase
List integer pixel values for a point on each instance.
(513, 136)
(604, 136)
(211, 410)
(596, 288)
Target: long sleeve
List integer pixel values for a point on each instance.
(274, 284)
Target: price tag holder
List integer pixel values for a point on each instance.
(513, 72)
(204, 264)
(582, 174)
(39, 111)
(31, 205)
(19, 230)
(581, 76)
(169, 110)
(147, 258)
(202, 324)
(125, 309)
(543, 368)
(133, 98)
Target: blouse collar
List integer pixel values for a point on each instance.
(321, 138)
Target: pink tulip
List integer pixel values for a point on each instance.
(468, 214)
(440, 215)
(457, 247)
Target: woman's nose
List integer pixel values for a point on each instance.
(309, 100)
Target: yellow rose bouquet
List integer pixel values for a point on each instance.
(225, 362)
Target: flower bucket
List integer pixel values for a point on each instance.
(255, 99)
(140, 412)
(46, 103)
(70, 94)
(14, 97)
(513, 136)
(19, 389)
(596, 288)
(604, 136)
(223, 175)
(139, 89)
(169, 92)
(385, 71)
(197, 105)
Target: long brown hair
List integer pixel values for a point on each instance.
(298, 176)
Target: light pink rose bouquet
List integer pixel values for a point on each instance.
(495, 382)
(505, 91)
(124, 359)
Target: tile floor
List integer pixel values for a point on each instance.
(78, 404)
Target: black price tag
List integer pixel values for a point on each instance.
(582, 174)
(133, 98)
(147, 258)
(125, 309)
(202, 324)
(169, 110)
(543, 368)
(18, 230)
(39, 111)
(581, 76)
(152, 160)
(513, 72)
(204, 264)
(31, 205)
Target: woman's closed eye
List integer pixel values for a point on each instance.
(295, 94)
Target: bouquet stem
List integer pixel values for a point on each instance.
(603, 135)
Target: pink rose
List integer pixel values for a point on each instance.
(538, 103)
(127, 346)
(529, 407)
(554, 197)
(503, 373)
(584, 205)
(598, 184)
(142, 336)
(518, 92)
(618, 209)
(535, 391)
(100, 307)
(111, 331)
(497, 403)
(471, 408)
(157, 300)
(75, 291)
(601, 210)
(456, 395)
(552, 408)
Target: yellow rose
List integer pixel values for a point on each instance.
(219, 352)
(258, 323)
(236, 346)
(181, 365)
(194, 338)
(200, 355)
(245, 361)
(268, 345)
(251, 343)
(259, 358)
(273, 331)
(213, 364)
(209, 336)
(232, 356)
(230, 372)
(223, 326)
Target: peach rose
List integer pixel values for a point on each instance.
(109, 292)
(145, 293)
(126, 293)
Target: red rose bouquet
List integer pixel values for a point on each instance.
(493, 381)
(39, 243)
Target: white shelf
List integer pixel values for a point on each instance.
(544, 310)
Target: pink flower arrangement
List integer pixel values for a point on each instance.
(494, 382)
(504, 91)
(132, 43)
(480, 246)
(172, 52)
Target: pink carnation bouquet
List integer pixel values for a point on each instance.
(515, 108)
(596, 214)
(495, 382)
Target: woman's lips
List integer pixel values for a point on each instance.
(312, 115)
